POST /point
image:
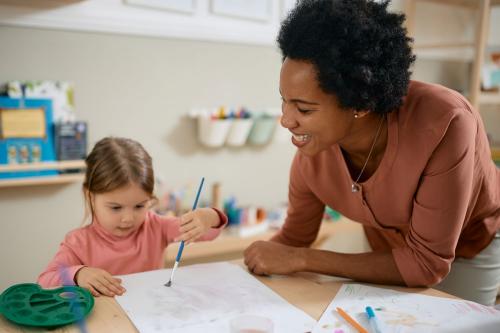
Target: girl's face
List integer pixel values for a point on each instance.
(314, 117)
(123, 210)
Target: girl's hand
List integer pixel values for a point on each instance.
(99, 282)
(194, 224)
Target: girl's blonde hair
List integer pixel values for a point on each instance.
(113, 163)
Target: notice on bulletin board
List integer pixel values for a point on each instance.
(22, 123)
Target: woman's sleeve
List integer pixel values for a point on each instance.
(63, 267)
(305, 211)
(440, 205)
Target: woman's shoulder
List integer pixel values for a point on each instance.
(434, 100)
(432, 107)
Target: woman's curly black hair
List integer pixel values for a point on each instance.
(361, 52)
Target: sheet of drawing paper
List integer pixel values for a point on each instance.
(204, 298)
(406, 312)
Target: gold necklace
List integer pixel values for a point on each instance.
(355, 186)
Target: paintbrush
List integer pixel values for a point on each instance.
(181, 247)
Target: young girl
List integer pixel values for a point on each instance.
(124, 236)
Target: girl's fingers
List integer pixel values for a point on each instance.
(107, 280)
(94, 292)
(187, 227)
(114, 281)
(102, 288)
(193, 234)
(185, 236)
(114, 285)
(186, 218)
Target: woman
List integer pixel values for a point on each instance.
(408, 160)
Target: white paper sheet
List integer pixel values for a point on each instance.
(204, 298)
(406, 312)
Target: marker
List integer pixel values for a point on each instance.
(373, 320)
(351, 321)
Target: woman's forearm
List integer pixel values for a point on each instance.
(372, 267)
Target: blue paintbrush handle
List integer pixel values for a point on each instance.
(181, 247)
(198, 194)
(179, 253)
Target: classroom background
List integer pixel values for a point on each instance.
(144, 86)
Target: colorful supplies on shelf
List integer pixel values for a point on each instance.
(26, 135)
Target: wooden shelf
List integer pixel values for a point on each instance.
(495, 153)
(43, 180)
(56, 165)
(489, 98)
(450, 51)
(461, 3)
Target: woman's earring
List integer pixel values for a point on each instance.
(356, 116)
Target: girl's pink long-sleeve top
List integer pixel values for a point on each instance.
(435, 195)
(93, 246)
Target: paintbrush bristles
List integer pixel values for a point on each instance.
(169, 283)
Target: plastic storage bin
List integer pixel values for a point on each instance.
(262, 130)
(213, 132)
(239, 131)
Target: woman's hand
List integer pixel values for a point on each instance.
(99, 282)
(194, 224)
(266, 258)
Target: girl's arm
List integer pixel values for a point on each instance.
(62, 269)
(68, 269)
(201, 224)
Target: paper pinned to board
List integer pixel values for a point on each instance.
(204, 298)
(407, 312)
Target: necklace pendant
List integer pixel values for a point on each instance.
(355, 187)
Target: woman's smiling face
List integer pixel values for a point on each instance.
(313, 117)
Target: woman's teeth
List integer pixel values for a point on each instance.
(302, 137)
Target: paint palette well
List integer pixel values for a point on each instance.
(29, 304)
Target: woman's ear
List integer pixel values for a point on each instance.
(360, 114)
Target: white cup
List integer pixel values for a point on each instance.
(213, 132)
(251, 324)
(238, 133)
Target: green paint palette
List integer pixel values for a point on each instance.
(29, 304)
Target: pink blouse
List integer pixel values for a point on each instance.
(93, 246)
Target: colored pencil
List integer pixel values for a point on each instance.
(351, 321)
